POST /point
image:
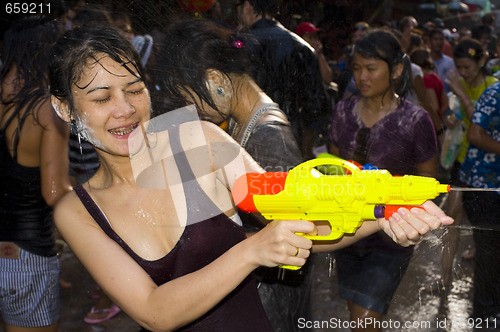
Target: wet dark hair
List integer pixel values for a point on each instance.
(469, 48)
(73, 51)
(25, 48)
(383, 45)
(192, 47)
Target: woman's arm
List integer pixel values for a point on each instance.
(428, 168)
(54, 163)
(480, 138)
(458, 89)
(434, 108)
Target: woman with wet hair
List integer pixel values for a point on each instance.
(380, 128)
(33, 178)
(218, 83)
(153, 226)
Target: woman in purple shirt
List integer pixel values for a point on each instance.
(381, 128)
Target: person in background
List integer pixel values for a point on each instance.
(347, 86)
(142, 43)
(488, 20)
(468, 82)
(33, 178)
(444, 64)
(310, 33)
(222, 90)
(483, 34)
(406, 26)
(493, 65)
(435, 93)
(287, 70)
(381, 128)
(481, 169)
(463, 33)
(171, 257)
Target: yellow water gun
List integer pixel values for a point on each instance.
(345, 200)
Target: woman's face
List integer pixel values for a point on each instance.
(468, 69)
(372, 76)
(111, 104)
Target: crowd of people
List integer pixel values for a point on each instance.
(126, 148)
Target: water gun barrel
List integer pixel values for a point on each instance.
(250, 184)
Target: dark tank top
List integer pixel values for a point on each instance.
(25, 218)
(201, 243)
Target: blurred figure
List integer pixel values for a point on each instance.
(493, 65)
(436, 96)
(443, 63)
(467, 83)
(406, 26)
(33, 178)
(483, 34)
(310, 33)
(481, 169)
(360, 29)
(287, 69)
(142, 43)
(464, 33)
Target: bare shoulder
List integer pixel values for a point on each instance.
(214, 133)
(69, 213)
(48, 117)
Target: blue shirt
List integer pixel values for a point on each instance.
(443, 66)
(481, 169)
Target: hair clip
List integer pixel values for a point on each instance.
(472, 52)
(238, 44)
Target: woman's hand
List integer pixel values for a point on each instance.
(407, 227)
(277, 244)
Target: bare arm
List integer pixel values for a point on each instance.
(480, 138)
(54, 163)
(428, 168)
(458, 89)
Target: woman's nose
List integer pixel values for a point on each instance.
(123, 107)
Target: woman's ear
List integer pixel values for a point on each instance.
(397, 70)
(61, 108)
(215, 76)
(218, 83)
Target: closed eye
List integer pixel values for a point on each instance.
(103, 100)
(136, 92)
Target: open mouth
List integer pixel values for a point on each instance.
(123, 130)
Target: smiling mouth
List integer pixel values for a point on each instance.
(123, 130)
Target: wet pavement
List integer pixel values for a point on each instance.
(422, 310)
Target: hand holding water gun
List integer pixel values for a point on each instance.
(344, 200)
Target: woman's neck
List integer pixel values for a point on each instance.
(247, 100)
(371, 110)
(113, 170)
(477, 81)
